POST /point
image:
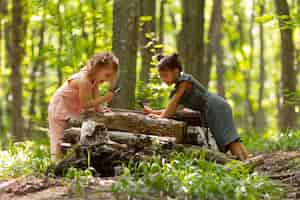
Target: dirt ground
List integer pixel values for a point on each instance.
(283, 167)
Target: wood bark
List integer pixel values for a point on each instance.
(191, 38)
(125, 33)
(147, 8)
(214, 31)
(3, 58)
(18, 30)
(287, 115)
(83, 24)
(249, 112)
(137, 123)
(260, 118)
(105, 150)
(60, 44)
(33, 75)
(161, 36)
(298, 49)
(94, 22)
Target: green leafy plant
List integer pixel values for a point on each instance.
(189, 176)
(24, 158)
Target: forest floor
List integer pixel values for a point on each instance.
(281, 166)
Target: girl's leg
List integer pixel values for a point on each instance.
(57, 128)
(238, 149)
(221, 122)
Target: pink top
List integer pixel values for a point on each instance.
(65, 102)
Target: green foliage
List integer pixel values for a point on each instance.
(79, 179)
(24, 158)
(154, 93)
(189, 176)
(264, 18)
(289, 140)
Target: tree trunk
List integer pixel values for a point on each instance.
(3, 56)
(288, 73)
(7, 39)
(260, 119)
(298, 49)
(125, 32)
(38, 62)
(191, 38)
(248, 110)
(16, 57)
(214, 31)
(42, 94)
(220, 54)
(249, 113)
(60, 44)
(147, 37)
(161, 37)
(94, 22)
(83, 25)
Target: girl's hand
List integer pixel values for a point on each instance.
(107, 110)
(99, 109)
(109, 96)
(148, 110)
(153, 115)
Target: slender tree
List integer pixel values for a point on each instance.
(18, 30)
(214, 31)
(161, 37)
(3, 27)
(94, 23)
(260, 121)
(35, 68)
(298, 49)
(82, 20)
(8, 47)
(219, 50)
(83, 24)
(191, 38)
(60, 43)
(249, 112)
(147, 10)
(287, 115)
(124, 45)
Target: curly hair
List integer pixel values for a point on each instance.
(102, 59)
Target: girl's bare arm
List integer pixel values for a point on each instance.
(172, 105)
(86, 95)
(95, 93)
(149, 110)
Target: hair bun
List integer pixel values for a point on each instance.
(159, 57)
(175, 55)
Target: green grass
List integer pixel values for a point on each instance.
(190, 176)
(287, 141)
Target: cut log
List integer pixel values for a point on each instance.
(108, 149)
(136, 123)
(190, 117)
(194, 136)
(107, 139)
(133, 140)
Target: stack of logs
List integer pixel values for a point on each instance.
(104, 140)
